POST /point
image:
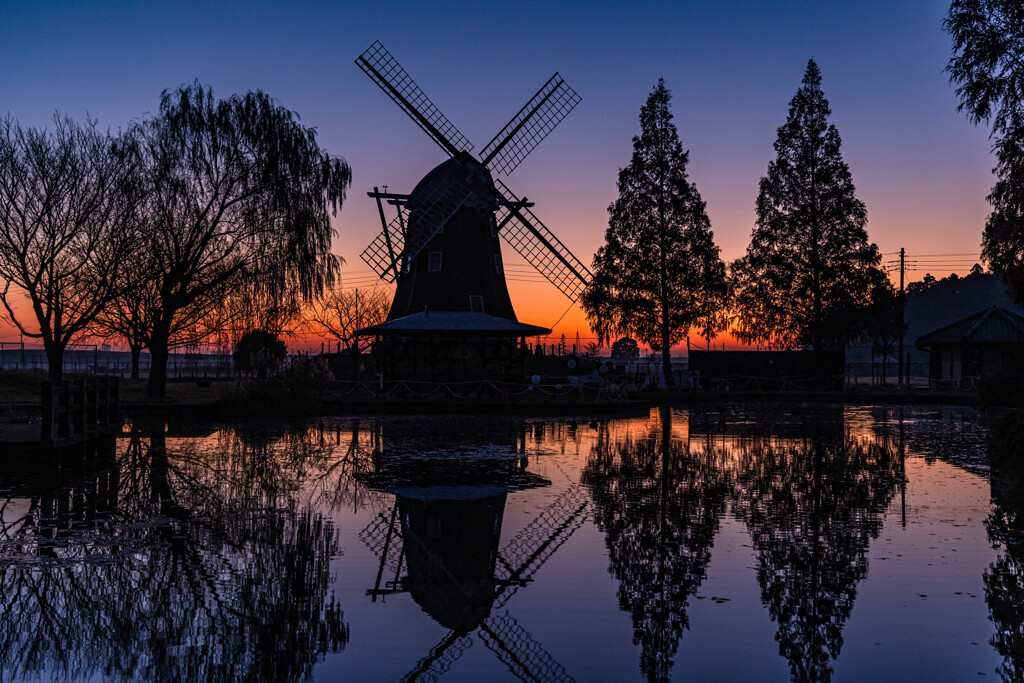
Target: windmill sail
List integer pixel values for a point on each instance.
(539, 246)
(530, 126)
(389, 75)
(439, 659)
(520, 652)
(539, 540)
(375, 536)
(378, 254)
(432, 209)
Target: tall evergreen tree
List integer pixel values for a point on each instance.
(809, 269)
(988, 65)
(659, 272)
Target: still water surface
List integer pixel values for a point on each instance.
(755, 543)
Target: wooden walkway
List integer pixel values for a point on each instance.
(73, 412)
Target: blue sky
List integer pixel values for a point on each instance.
(920, 167)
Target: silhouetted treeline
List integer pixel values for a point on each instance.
(208, 214)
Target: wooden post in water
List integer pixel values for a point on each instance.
(89, 399)
(78, 408)
(49, 432)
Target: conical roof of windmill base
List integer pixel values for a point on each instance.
(454, 323)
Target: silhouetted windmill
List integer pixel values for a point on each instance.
(459, 211)
(442, 248)
(458, 576)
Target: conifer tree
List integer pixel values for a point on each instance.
(659, 272)
(809, 270)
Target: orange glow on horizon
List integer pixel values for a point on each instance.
(535, 301)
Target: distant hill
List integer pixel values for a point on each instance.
(934, 304)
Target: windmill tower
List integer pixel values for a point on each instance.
(442, 247)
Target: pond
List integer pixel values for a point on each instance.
(743, 542)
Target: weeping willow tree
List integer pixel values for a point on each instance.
(238, 196)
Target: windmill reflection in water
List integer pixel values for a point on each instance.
(444, 530)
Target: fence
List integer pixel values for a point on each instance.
(96, 361)
(861, 366)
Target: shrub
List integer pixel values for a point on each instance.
(259, 352)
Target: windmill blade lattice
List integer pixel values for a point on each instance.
(516, 648)
(521, 229)
(378, 256)
(439, 659)
(530, 126)
(389, 75)
(375, 537)
(539, 540)
(432, 210)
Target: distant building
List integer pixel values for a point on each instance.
(987, 343)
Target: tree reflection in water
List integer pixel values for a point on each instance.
(659, 501)
(812, 505)
(1004, 579)
(196, 564)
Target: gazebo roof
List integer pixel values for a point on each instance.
(454, 323)
(991, 325)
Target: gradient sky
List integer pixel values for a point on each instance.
(922, 170)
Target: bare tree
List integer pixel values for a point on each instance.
(129, 316)
(340, 312)
(67, 211)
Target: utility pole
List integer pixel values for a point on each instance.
(903, 297)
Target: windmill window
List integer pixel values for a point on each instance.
(494, 226)
(476, 303)
(434, 262)
(497, 264)
(405, 264)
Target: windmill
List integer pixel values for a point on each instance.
(470, 605)
(442, 246)
(444, 531)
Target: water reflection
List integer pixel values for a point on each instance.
(191, 565)
(206, 553)
(812, 507)
(445, 530)
(1004, 579)
(658, 500)
(811, 504)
